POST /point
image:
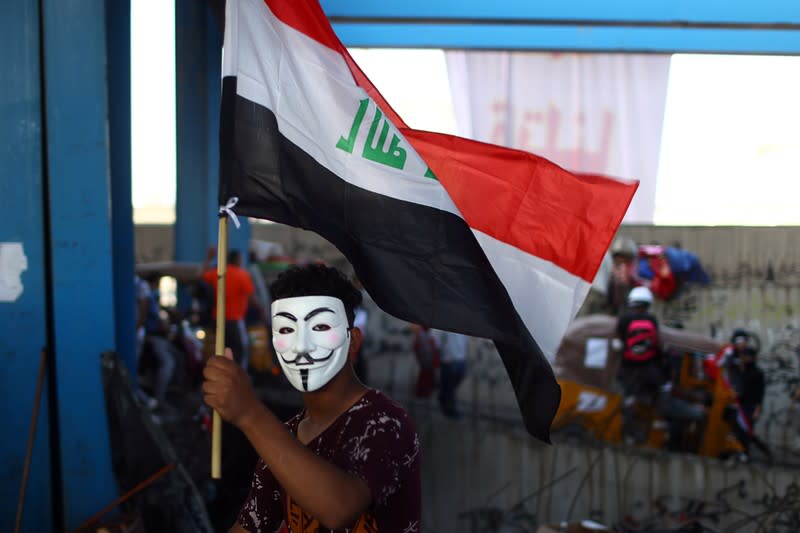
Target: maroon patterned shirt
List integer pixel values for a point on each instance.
(374, 440)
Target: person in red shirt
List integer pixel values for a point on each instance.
(239, 294)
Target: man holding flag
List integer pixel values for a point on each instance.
(351, 458)
(459, 235)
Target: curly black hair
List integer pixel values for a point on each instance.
(317, 280)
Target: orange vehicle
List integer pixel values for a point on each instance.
(586, 365)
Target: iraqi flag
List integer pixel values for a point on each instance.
(442, 231)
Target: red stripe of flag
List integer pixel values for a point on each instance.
(527, 201)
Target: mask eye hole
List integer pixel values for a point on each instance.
(285, 330)
(321, 327)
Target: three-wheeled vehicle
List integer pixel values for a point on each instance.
(586, 366)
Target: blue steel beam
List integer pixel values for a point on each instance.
(198, 63)
(118, 44)
(195, 197)
(569, 38)
(707, 26)
(80, 246)
(23, 319)
(666, 12)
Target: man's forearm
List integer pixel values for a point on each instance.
(332, 496)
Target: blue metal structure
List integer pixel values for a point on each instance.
(569, 38)
(579, 12)
(118, 45)
(23, 332)
(65, 179)
(82, 299)
(713, 26)
(198, 44)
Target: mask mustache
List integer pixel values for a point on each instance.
(305, 359)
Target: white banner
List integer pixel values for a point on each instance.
(593, 113)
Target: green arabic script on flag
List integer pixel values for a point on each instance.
(393, 156)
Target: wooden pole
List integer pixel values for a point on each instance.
(222, 269)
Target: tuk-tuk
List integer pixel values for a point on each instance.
(586, 366)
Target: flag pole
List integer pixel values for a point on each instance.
(219, 351)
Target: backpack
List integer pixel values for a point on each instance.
(641, 341)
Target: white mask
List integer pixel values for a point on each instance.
(311, 337)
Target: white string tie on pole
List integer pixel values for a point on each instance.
(227, 210)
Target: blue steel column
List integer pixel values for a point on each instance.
(80, 246)
(679, 26)
(118, 45)
(22, 334)
(198, 59)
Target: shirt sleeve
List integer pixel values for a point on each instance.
(210, 276)
(385, 453)
(262, 511)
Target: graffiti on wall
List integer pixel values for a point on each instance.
(733, 508)
(781, 361)
(746, 273)
(736, 507)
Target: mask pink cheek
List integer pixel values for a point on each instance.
(280, 345)
(333, 338)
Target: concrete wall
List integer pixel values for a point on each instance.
(472, 471)
(483, 473)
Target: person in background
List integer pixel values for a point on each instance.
(747, 379)
(261, 291)
(427, 354)
(624, 275)
(350, 460)
(154, 333)
(682, 409)
(360, 365)
(642, 372)
(239, 294)
(452, 349)
(729, 355)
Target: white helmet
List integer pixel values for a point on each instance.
(639, 296)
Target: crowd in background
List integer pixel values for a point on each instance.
(173, 342)
(649, 377)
